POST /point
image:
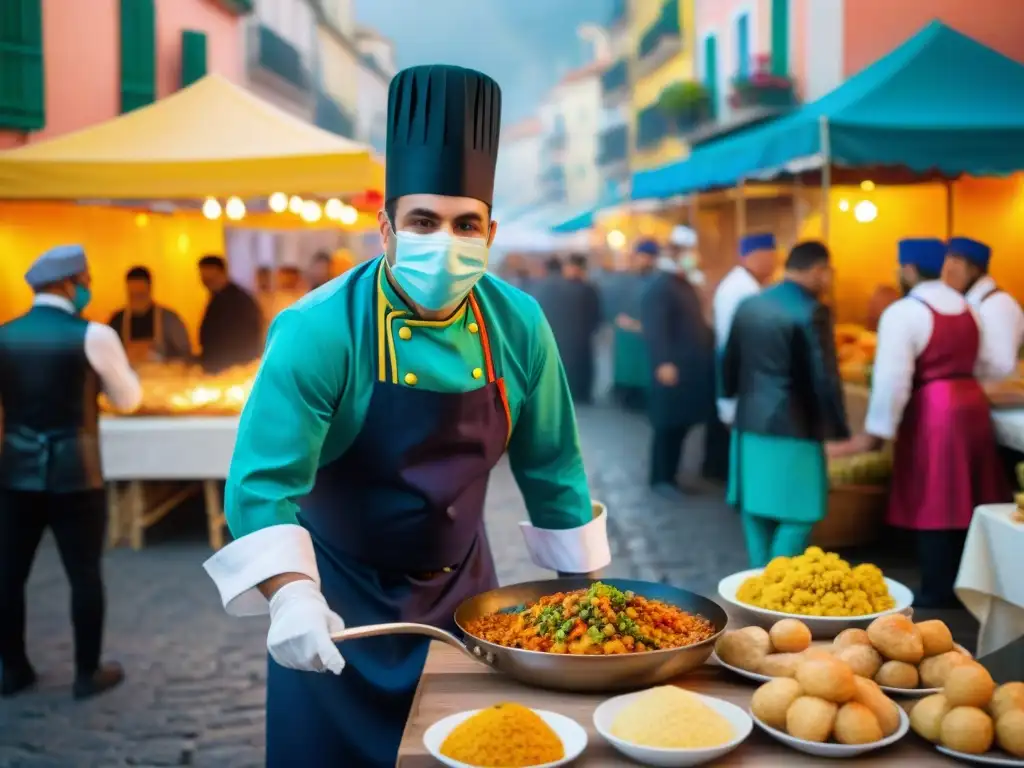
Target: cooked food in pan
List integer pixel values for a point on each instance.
(594, 621)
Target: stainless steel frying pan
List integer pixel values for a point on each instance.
(566, 672)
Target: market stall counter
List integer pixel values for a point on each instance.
(183, 432)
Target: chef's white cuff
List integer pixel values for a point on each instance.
(246, 562)
(583, 549)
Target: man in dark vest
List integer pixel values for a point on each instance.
(53, 364)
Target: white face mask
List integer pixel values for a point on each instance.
(438, 270)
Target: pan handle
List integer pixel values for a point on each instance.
(407, 628)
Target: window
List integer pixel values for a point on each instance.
(193, 56)
(138, 54)
(22, 88)
(743, 46)
(711, 72)
(780, 37)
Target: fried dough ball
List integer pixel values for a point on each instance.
(864, 660)
(969, 685)
(745, 648)
(935, 636)
(817, 654)
(1007, 697)
(935, 669)
(898, 674)
(885, 710)
(967, 729)
(780, 664)
(811, 719)
(772, 701)
(828, 679)
(856, 724)
(1010, 732)
(896, 638)
(926, 716)
(852, 636)
(790, 636)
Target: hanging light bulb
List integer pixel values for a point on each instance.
(349, 216)
(865, 211)
(278, 202)
(211, 208)
(334, 208)
(311, 211)
(295, 204)
(616, 239)
(234, 208)
(844, 205)
(867, 185)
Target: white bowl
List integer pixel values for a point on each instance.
(836, 750)
(574, 738)
(822, 627)
(989, 758)
(757, 677)
(606, 713)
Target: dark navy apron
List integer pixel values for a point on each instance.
(398, 527)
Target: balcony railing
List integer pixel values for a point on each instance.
(664, 29)
(762, 89)
(331, 116)
(277, 55)
(616, 77)
(652, 125)
(613, 145)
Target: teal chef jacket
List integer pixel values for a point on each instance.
(324, 355)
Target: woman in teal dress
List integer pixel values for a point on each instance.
(384, 399)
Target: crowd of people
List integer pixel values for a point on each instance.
(765, 350)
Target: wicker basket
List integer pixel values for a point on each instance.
(854, 518)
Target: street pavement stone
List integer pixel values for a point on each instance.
(195, 689)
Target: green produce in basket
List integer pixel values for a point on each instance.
(863, 469)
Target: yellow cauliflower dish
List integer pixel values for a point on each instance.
(817, 583)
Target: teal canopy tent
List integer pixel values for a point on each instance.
(941, 102)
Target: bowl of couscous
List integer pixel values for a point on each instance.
(826, 592)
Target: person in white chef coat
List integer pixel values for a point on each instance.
(758, 260)
(1002, 321)
(925, 396)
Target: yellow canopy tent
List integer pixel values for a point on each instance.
(210, 139)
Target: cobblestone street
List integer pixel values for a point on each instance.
(195, 688)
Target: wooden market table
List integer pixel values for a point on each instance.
(453, 683)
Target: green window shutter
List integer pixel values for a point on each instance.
(711, 72)
(780, 38)
(138, 54)
(193, 56)
(22, 85)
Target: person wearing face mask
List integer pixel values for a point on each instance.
(1001, 318)
(383, 401)
(53, 364)
(780, 365)
(924, 395)
(680, 346)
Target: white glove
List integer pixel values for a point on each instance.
(301, 624)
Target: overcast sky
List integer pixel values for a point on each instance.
(526, 45)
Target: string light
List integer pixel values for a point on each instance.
(234, 208)
(295, 204)
(334, 209)
(311, 211)
(867, 185)
(278, 202)
(865, 211)
(211, 208)
(844, 205)
(616, 239)
(349, 216)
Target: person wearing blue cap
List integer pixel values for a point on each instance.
(1002, 321)
(631, 360)
(780, 364)
(383, 401)
(53, 364)
(758, 260)
(924, 395)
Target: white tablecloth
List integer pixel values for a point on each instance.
(1009, 426)
(991, 579)
(167, 448)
